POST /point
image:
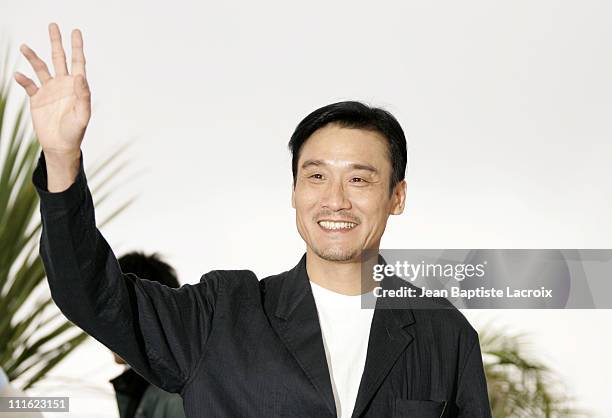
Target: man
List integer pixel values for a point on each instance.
(136, 398)
(233, 345)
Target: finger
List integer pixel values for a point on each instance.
(57, 50)
(78, 57)
(38, 65)
(26, 83)
(83, 103)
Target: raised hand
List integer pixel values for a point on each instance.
(61, 105)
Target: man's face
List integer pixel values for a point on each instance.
(341, 196)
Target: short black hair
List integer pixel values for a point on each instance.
(357, 115)
(150, 267)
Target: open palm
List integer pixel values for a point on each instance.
(61, 106)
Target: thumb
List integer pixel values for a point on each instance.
(83, 103)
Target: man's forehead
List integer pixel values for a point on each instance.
(343, 148)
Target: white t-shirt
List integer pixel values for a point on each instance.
(345, 327)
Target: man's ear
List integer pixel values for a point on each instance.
(293, 197)
(399, 198)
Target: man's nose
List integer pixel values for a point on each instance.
(335, 197)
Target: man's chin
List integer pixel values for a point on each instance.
(338, 255)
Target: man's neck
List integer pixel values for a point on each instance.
(340, 277)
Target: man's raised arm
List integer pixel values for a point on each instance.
(158, 330)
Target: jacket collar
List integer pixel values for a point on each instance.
(297, 324)
(294, 288)
(389, 338)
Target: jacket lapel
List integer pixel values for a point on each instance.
(297, 324)
(388, 339)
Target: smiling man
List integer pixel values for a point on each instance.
(297, 344)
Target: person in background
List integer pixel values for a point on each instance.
(137, 398)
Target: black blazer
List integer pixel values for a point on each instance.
(236, 346)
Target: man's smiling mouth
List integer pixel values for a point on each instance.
(337, 226)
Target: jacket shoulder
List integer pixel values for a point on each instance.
(231, 282)
(274, 280)
(435, 312)
(439, 314)
(228, 276)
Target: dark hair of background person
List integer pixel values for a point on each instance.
(150, 267)
(352, 114)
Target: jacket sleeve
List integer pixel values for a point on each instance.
(472, 395)
(159, 331)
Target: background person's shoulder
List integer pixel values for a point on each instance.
(157, 403)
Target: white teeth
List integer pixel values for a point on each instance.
(337, 225)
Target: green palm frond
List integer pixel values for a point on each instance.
(519, 386)
(34, 336)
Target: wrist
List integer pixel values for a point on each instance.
(62, 169)
(61, 158)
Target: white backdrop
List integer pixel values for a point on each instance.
(506, 107)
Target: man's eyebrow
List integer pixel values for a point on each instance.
(365, 167)
(355, 166)
(315, 163)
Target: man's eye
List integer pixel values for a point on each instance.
(357, 180)
(316, 176)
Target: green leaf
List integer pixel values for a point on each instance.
(55, 357)
(518, 385)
